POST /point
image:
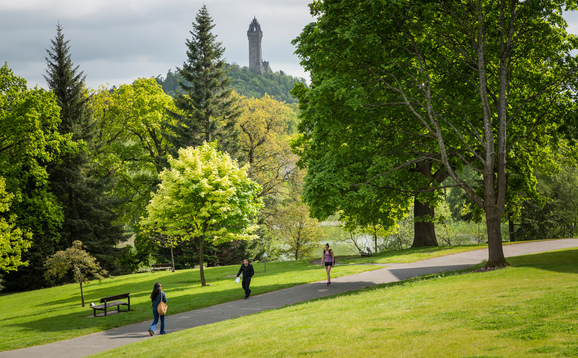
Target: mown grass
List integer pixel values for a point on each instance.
(527, 310)
(408, 255)
(54, 314)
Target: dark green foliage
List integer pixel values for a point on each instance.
(251, 84)
(205, 99)
(88, 215)
(556, 215)
(246, 83)
(67, 83)
(461, 207)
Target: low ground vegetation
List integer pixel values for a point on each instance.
(54, 314)
(526, 310)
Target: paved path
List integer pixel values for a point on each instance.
(98, 342)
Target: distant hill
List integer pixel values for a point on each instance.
(246, 83)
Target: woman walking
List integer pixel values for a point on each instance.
(156, 296)
(329, 261)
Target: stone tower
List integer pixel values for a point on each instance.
(256, 63)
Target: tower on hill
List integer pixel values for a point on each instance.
(256, 63)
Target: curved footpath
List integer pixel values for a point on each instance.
(98, 342)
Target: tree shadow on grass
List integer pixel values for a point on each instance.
(564, 261)
(68, 322)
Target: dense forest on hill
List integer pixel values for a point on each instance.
(250, 84)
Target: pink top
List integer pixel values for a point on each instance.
(327, 256)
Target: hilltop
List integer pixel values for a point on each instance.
(246, 83)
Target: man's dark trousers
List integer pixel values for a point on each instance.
(246, 283)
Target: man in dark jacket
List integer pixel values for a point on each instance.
(248, 272)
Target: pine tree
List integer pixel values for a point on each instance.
(88, 212)
(67, 83)
(207, 102)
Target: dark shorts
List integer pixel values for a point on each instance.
(329, 264)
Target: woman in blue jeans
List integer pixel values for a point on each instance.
(156, 296)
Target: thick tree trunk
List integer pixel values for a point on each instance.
(424, 228)
(496, 257)
(201, 263)
(424, 233)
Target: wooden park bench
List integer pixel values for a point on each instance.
(108, 302)
(365, 253)
(161, 267)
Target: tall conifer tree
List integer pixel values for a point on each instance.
(209, 106)
(88, 212)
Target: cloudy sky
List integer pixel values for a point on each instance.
(117, 41)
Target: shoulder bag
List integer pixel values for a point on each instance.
(162, 307)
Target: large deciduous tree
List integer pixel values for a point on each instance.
(29, 139)
(207, 103)
(264, 141)
(132, 120)
(204, 196)
(13, 241)
(462, 83)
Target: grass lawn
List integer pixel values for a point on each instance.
(48, 315)
(527, 310)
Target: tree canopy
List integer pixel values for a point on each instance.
(204, 196)
(13, 241)
(451, 83)
(245, 82)
(29, 139)
(77, 260)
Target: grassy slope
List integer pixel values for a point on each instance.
(527, 310)
(48, 315)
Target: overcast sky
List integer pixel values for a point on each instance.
(117, 41)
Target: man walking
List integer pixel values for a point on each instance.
(248, 272)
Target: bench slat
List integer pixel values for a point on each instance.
(124, 295)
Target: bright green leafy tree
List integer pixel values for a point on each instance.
(29, 139)
(204, 196)
(77, 260)
(131, 126)
(13, 242)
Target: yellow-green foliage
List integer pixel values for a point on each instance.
(13, 241)
(204, 195)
